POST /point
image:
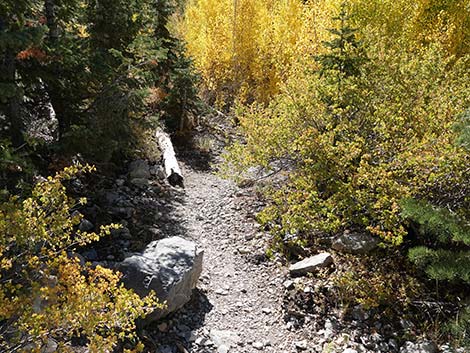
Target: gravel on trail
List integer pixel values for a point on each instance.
(238, 304)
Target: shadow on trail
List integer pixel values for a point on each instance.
(190, 152)
(146, 213)
(176, 336)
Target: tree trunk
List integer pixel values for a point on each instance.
(51, 20)
(13, 105)
(172, 169)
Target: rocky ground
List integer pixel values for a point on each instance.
(244, 302)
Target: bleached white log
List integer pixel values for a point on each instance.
(172, 170)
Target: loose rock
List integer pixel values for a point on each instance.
(311, 264)
(355, 243)
(418, 347)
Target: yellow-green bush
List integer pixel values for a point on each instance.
(357, 145)
(375, 283)
(45, 292)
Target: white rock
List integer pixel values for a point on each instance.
(200, 341)
(310, 264)
(301, 345)
(258, 345)
(224, 337)
(223, 349)
(350, 350)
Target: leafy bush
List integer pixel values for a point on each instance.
(356, 144)
(376, 283)
(45, 292)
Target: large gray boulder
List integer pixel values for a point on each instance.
(355, 243)
(171, 267)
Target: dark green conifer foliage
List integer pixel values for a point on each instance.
(345, 55)
(444, 229)
(341, 68)
(19, 30)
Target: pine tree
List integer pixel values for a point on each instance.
(345, 55)
(340, 66)
(20, 30)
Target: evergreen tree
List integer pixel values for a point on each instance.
(345, 55)
(340, 67)
(20, 30)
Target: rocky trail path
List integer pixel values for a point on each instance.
(237, 307)
(245, 302)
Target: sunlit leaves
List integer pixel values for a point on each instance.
(45, 291)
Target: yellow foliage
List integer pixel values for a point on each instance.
(45, 292)
(246, 49)
(354, 149)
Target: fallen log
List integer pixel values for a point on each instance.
(172, 170)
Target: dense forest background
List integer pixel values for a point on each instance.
(362, 106)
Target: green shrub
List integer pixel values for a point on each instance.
(354, 145)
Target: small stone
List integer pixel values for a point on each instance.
(288, 284)
(200, 341)
(418, 347)
(51, 347)
(350, 350)
(393, 344)
(85, 225)
(223, 349)
(406, 324)
(355, 243)
(120, 182)
(310, 264)
(224, 337)
(163, 327)
(301, 345)
(266, 310)
(258, 345)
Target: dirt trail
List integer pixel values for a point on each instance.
(237, 307)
